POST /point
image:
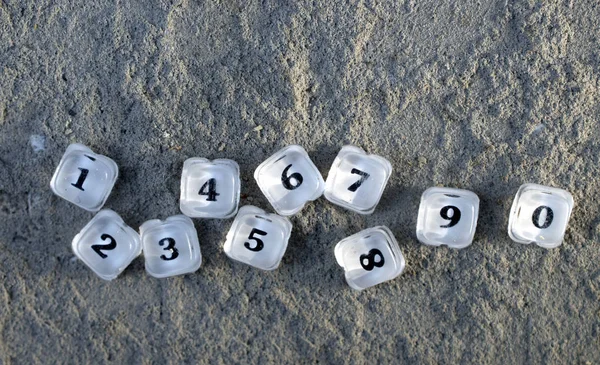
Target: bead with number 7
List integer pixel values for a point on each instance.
(356, 180)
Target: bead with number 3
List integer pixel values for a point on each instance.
(171, 246)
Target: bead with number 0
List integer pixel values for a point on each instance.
(171, 246)
(540, 214)
(447, 216)
(107, 245)
(209, 189)
(370, 257)
(258, 238)
(84, 178)
(289, 179)
(356, 180)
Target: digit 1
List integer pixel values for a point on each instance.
(536, 217)
(84, 173)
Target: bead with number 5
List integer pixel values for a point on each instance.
(107, 245)
(84, 178)
(540, 214)
(289, 179)
(171, 246)
(447, 216)
(209, 189)
(356, 180)
(370, 257)
(258, 238)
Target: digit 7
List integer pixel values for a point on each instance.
(363, 176)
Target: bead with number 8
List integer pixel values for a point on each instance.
(370, 257)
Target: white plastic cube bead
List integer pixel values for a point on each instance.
(107, 245)
(258, 238)
(171, 246)
(447, 217)
(540, 214)
(210, 189)
(356, 180)
(370, 257)
(289, 179)
(84, 178)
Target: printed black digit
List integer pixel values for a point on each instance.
(170, 247)
(82, 176)
(259, 243)
(370, 260)
(363, 176)
(454, 218)
(549, 217)
(110, 246)
(211, 187)
(287, 180)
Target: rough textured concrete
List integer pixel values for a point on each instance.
(483, 95)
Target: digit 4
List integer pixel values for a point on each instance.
(209, 189)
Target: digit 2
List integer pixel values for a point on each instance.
(363, 176)
(547, 221)
(170, 247)
(110, 246)
(370, 259)
(259, 243)
(82, 176)
(455, 215)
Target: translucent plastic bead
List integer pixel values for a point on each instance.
(370, 257)
(171, 246)
(289, 179)
(258, 238)
(540, 214)
(356, 180)
(84, 178)
(107, 245)
(447, 217)
(210, 189)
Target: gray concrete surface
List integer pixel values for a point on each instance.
(483, 95)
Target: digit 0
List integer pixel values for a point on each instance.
(537, 215)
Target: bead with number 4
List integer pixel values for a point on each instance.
(447, 217)
(540, 214)
(209, 189)
(370, 257)
(289, 179)
(258, 238)
(171, 246)
(356, 180)
(107, 245)
(84, 178)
